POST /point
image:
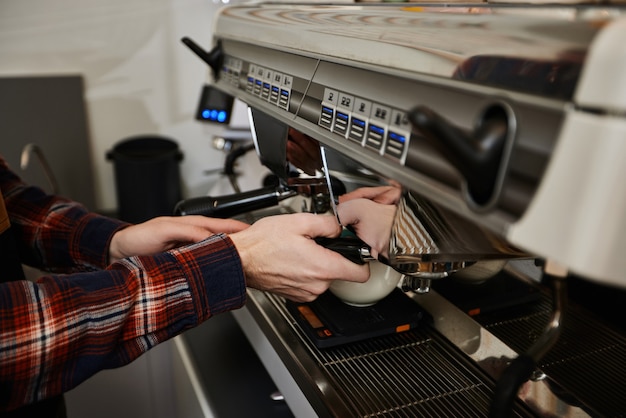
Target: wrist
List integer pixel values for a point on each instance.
(115, 252)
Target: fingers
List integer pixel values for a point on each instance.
(279, 255)
(190, 229)
(167, 232)
(298, 294)
(307, 224)
(371, 221)
(387, 195)
(193, 228)
(350, 210)
(338, 267)
(329, 265)
(323, 226)
(214, 225)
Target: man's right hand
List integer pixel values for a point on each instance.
(279, 255)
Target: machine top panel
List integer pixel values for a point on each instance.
(533, 49)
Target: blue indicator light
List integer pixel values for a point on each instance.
(258, 82)
(397, 137)
(284, 92)
(342, 116)
(266, 85)
(377, 129)
(275, 89)
(358, 122)
(215, 115)
(327, 109)
(251, 79)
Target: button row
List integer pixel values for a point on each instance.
(373, 125)
(269, 85)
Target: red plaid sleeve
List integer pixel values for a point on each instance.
(57, 332)
(61, 330)
(54, 233)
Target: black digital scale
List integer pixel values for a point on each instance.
(329, 322)
(500, 292)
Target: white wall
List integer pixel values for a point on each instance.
(139, 77)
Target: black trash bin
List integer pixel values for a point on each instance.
(147, 177)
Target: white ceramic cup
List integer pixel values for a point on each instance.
(383, 279)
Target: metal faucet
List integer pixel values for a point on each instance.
(30, 149)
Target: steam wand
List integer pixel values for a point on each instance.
(229, 164)
(521, 369)
(214, 58)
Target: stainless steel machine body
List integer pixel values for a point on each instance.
(509, 118)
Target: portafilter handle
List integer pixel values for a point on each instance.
(351, 248)
(227, 206)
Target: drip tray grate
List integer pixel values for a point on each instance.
(414, 373)
(588, 361)
(421, 373)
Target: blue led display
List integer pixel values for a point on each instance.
(215, 115)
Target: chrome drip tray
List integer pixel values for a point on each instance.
(413, 373)
(416, 373)
(588, 363)
(449, 367)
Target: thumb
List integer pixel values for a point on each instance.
(349, 211)
(321, 226)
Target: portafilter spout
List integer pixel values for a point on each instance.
(429, 242)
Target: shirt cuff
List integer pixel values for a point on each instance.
(215, 274)
(90, 243)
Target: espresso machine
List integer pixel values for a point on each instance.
(503, 129)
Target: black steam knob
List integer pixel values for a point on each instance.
(477, 155)
(214, 58)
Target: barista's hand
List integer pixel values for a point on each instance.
(387, 195)
(371, 221)
(167, 232)
(279, 255)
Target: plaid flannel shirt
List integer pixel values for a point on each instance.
(87, 316)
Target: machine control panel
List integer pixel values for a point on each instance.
(267, 84)
(376, 126)
(373, 125)
(368, 113)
